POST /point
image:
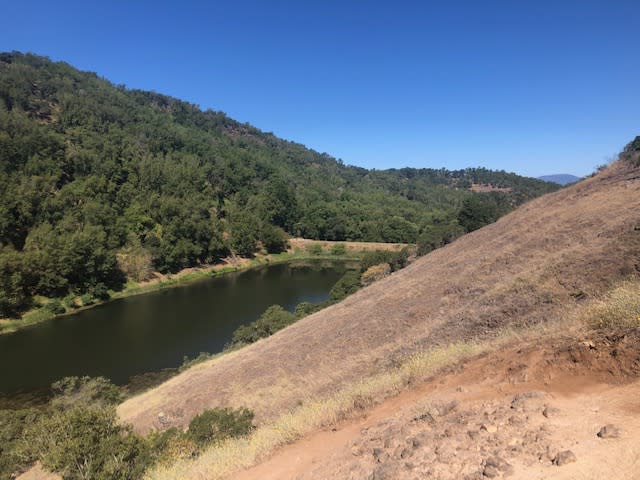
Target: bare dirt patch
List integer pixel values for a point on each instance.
(534, 411)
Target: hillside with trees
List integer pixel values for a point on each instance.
(100, 183)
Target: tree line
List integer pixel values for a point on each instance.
(100, 183)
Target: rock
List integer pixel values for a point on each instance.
(383, 472)
(490, 472)
(564, 457)
(609, 431)
(163, 419)
(550, 411)
(498, 464)
(489, 428)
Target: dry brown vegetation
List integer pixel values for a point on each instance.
(304, 243)
(539, 264)
(542, 259)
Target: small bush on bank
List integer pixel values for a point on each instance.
(375, 273)
(71, 391)
(273, 319)
(87, 299)
(190, 362)
(396, 260)
(305, 308)
(55, 307)
(338, 249)
(219, 424)
(314, 249)
(348, 284)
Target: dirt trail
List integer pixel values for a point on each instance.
(529, 267)
(507, 414)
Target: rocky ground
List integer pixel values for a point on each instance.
(566, 411)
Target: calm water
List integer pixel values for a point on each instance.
(154, 331)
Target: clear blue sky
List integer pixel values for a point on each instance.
(534, 87)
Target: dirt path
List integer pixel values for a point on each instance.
(507, 414)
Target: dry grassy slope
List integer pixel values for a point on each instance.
(526, 268)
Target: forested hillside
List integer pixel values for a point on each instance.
(99, 183)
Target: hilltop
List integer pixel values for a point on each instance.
(522, 284)
(100, 184)
(560, 178)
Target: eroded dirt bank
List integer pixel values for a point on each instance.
(533, 411)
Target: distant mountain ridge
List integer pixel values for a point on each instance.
(560, 178)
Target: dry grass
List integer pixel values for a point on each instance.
(526, 269)
(619, 308)
(235, 454)
(304, 243)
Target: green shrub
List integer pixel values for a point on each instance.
(220, 423)
(101, 292)
(314, 249)
(74, 391)
(396, 260)
(87, 443)
(13, 456)
(436, 236)
(55, 307)
(190, 362)
(171, 445)
(273, 239)
(348, 284)
(87, 299)
(305, 308)
(338, 249)
(273, 319)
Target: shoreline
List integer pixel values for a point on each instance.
(299, 251)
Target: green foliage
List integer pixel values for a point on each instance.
(87, 299)
(631, 152)
(13, 456)
(15, 278)
(396, 260)
(482, 209)
(436, 236)
(97, 181)
(85, 391)
(274, 239)
(273, 319)
(348, 284)
(338, 249)
(306, 308)
(85, 442)
(55, 307)
(314, 249)
(219, 424)
(190, 362)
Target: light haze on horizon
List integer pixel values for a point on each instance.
(531, 87)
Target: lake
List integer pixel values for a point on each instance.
(151, 332)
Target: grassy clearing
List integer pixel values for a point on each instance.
(619, 308)
(30, 318)
(235, 454)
